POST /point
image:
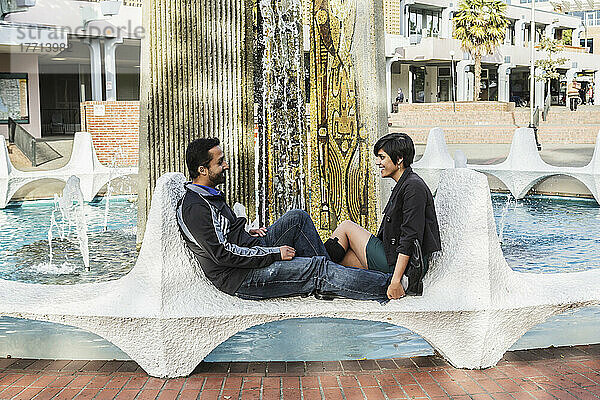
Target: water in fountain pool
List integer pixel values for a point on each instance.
(25, 253)
(541, 235)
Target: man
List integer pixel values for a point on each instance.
(287, 259)
(573, 94)
(400, 96)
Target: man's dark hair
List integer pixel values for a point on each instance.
(197, 154)
(397, 146)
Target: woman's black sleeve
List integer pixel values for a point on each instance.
(413, 218)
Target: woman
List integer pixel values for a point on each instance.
(408, 215)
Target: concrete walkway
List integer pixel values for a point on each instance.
(553, 373)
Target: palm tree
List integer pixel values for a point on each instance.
(480, 25)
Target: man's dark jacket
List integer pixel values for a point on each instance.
(408, 215)
(218, 239)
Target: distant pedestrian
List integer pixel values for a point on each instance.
(590, 94)
(573, 94)
(400, 96)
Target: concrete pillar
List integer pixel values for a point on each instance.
(462, 82)
(110, 67)
(504, 81)
(540, 86)
(410, 85)
(520, 32)
(470, 85)
(343, 132)
(549, 30)
(404, 16)
(388, 82)
(96, 68)
(447, 28)
(597, 88)
(210, 45)
(575, 37)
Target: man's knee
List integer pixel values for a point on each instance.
(298, 214)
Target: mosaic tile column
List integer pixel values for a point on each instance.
(348, 110)
(282, 131)
(196, 82)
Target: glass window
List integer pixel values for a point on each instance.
(429, 23)
(424, 22)
(413, 23)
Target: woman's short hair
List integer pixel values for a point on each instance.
(197, 154)
(399, 146)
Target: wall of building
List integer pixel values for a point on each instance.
(25, 63)
(593, 32)
(115, 127)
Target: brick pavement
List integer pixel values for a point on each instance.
(554, 373)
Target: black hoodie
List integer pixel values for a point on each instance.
(225, 251)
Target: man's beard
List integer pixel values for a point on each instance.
(217, 179)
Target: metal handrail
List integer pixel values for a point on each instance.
(62, 121)
(23, 140)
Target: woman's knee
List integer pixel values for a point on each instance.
(347, 226)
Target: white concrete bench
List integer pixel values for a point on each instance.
(166, 316)
(522, 169)
(83, 164)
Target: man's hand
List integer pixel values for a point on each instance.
(258, 232)
(287, 253)
(395, 290)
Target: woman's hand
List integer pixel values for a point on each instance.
(259, 232)
(287, 253)
(395, 291)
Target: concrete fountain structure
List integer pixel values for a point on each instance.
(167, 316)
(83, 164)
(522, 169)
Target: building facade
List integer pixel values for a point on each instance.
(57, 54)
(426, 62)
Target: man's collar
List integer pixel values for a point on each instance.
(203, 190)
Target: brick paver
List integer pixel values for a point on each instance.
(554, 373)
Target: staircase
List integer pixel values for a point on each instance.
(494, 122)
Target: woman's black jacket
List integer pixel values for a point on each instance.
(408, 215)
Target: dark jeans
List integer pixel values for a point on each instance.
(311, 271)
(573, 103)
(305, 276)
(295, 229)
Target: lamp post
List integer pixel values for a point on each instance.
(532, 125)
(453, 87)
(532, 67)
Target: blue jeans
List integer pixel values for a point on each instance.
(311, 270)
(304, 276)
(295, 229)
